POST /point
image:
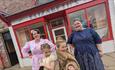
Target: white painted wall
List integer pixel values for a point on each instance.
(22, 61)
(108, 46)
(112, 17)
(114, 2)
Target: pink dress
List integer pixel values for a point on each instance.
(36, 51)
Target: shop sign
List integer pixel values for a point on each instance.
(51, 10)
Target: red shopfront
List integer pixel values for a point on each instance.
(93, 14)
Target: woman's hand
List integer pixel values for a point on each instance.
(101, 53)
(30, 55)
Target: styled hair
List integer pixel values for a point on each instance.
(44, 46)
(37, 30)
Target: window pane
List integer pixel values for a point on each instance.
(98, 20)
(57, 22)
(40, 2)
(40, 27)
(59, 32)
(23, 36)
(78, 14)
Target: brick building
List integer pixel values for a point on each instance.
(8, 55)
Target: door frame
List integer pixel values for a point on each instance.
(63, 27)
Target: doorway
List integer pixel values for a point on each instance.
(10, 48)
(60, 31)
(58, 28)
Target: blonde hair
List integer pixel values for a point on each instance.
(60, 42)
(45, 46)
(59, 38)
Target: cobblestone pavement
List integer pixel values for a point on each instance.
(108, 59)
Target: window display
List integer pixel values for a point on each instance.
(98, 20)
(78, 14)
(95, 17)
(24, 35)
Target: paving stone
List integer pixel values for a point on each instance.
(108, 60)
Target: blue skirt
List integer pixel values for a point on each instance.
(88, 61)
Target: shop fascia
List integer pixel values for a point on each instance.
(50, 11)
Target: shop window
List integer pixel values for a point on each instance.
(40, 2)
(98, 20)
(56, 22)
(40, 27)
(24, 35)
(96, 17)
(78, 14)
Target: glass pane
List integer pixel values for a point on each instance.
(78, 14)
(57, 22)
(40, 27)
(59, 32)
(98, 19)
(23, 36)
(40, 2)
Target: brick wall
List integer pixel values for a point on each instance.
(13, 6)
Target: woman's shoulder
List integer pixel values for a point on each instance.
(90, 29)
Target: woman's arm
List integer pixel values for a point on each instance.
(100, 49)
(97, 41)
(25, 50)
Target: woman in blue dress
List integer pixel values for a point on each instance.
(87, 47)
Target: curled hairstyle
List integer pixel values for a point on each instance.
(37, 30)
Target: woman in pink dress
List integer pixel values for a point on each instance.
(35, 47)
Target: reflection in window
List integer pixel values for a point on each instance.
(78, 14)
(57, 22)
(98, 19)
(41, 28)
(60, 32)
(40, 2)
(24, 35)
